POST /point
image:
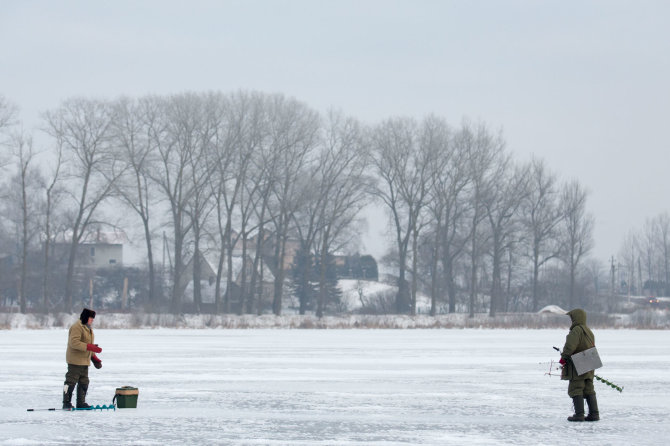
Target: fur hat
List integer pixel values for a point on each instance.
(85, 315)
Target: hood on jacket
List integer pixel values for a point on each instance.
(577, 316)
(85, 314)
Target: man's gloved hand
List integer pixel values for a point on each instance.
(93, 348)
(97, 362)
(562, 361)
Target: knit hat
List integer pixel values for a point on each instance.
(85, 315)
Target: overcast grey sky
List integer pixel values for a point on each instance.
(583, 85)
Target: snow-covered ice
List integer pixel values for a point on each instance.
(333, 387)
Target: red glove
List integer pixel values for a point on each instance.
(97, 362)
(93, 348)
(562, 361)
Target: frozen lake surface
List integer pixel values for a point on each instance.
(333, 387)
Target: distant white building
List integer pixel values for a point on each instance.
(99, 249)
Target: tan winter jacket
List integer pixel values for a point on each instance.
(78, 337)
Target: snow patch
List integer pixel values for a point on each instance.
(553, 309)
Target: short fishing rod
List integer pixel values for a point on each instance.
(599, 378)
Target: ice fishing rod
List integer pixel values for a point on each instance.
(98, 407)
(37, 410)
(599, 378)
(554, 366)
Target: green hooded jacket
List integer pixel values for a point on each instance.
(579, 339)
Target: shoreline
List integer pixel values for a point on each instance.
(641, 319)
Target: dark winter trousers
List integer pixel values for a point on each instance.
(77, 374)
(581, 387)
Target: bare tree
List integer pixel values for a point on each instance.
(262, 176)
(251, 197)
(444, 183)
(23, 206)
(201, 166)
(307, 221)
(628, 254)
(397, 161)
(178, 143)
(293, 136)
(542, 216)
(595, 271)
(485, 152)
(577, 232)
(81, 127)
(342, 188)
(8, 114)
(53, 193)
(133, 129)
(236, 140)
(8, 119)
(647, 250)
(450, 199)
(501, 206)
(663, 241)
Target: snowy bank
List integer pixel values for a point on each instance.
(646, 319)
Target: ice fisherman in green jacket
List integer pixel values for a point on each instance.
(579, 339)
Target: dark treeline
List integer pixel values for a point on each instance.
(268, 180)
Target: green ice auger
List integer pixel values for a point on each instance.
(609, 383)
(603, 380)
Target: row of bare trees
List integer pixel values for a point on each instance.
(643, 266)
(461, 208)
(251, 171)
(215, 170)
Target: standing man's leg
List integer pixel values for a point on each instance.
(590, 396)
(82, 388)
(71, 379)
(576, 392)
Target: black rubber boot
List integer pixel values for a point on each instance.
(578, 401)
(67, 396)
(81, 397)
(593, 415)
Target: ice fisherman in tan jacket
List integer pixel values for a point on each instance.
(81, 350)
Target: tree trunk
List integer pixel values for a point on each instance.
(451, 285)
(473, 275)
(219, 274)
(279, 278)
(45, 278)
(536, 274)
(197, 292)
(401, 297)
(67, 306)
(572, 284)
(415, 235)
(177, 273)
(244, 305)
(509, 281)
(24, 244)
(496, 286)
(322, 273)
(150, 258)
(304, 279)
(256, 292)
(433, 274)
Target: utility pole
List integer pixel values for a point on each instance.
(612, 271)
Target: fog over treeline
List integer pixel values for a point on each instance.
(255, 179)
